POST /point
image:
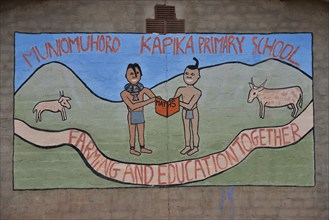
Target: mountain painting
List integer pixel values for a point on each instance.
(113, 110)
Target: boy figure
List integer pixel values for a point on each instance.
(133, 97)
(190, 113)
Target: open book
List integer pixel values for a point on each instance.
(166, 108)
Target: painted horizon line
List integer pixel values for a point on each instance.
(165, 81)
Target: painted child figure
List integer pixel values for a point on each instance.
(190, 96)
(133, 97)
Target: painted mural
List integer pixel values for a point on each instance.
(108, 110)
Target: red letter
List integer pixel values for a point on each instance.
(294, 129)
(236, 141)
(147, 181)
(114, 169)
(171, 172)
(201, 41)
(183, 176)
(71, 136)
(30, 54)
(205, 159)
(226, 163)
(75, 41)
(129, 171)
(230, 157)
(81, 140)
(156, 44)
(290, 57)
(92, 43)
(197, 167)
(243, 142)
(277, 137)
(39, 54)
(108, 39)
(165, 44)
(270, 47)
(161, 174)
(280, 51)
(144, 44)
(190, 45)
(187, 177)
(178, 42)
(101, 39)
(117, 48)
(240, 43)
(261, 137)
(231, 42)
(254, 43)
(284, 136)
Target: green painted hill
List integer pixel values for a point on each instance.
(224, 112)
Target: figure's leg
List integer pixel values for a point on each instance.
(132, 132)
(187, 134)
(141, 139)
(195, 127)
(140, 130)
(195, 131)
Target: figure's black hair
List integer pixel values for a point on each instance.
(195, 66)
(138, 67)
(132, 66)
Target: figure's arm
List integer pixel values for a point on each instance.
(195, 98)
(178, 93)
(149, 93)
(135, 105)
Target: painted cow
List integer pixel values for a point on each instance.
(57, 105)
(292, 97)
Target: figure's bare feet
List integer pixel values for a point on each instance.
(193, 151)
(145, 150)
(185, 150)
(135, 152)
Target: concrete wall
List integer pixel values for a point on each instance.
(244, 16)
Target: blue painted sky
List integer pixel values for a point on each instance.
(103, 72)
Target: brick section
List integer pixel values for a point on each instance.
(252, 16)
(165, 12)
(175, 26)
(165, 21)
(155, 26)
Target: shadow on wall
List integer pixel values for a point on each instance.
(227, 194)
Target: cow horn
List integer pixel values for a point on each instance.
(263, 84)
(253, 84)
(252, 81)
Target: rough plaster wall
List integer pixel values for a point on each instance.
(242, 16)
